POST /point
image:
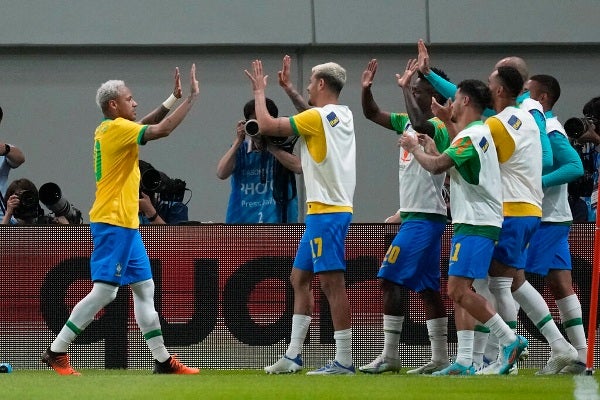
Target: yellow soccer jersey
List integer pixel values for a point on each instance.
(117, 172)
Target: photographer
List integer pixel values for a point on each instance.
(23, 207)
(585, 137)
(10, 157)
(161, 198)
(262, 171)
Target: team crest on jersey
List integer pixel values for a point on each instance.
(333, 119)
(514, 122)
(484, 144)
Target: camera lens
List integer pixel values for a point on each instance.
(251, 127)
(575, 127)
(27, 199)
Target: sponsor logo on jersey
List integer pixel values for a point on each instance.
(514, 122)
(333, 119)
(484, 144)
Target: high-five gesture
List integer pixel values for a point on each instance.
(286, 83)
(423, 58)
(194, 86)
(404, 79)
(369, 74)
(257, 77)
(177, 92)
(284, 74)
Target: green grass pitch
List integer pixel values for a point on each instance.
(255, 384)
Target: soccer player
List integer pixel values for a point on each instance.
(519, 152)
(119, 257)
(328, 155)
(549, 253)
(518, 122)
(476, 205)
(412, 261)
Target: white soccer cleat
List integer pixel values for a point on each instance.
(333, 368)
(380, 365)
(557, 362)
(285, 365)
(429, 368)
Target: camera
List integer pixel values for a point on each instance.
(51, 196)
(154, 181)
(28, 205)
(251, 127)
(575, 127)
(27, 199)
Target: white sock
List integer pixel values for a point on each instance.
(572, 320)
(481, 336)
(501, 330)
(392, 328)
(83, 314)
(500, 288)
(464, 353)
(492, 348)
(482, 288)
(538, 312)
(438, 337)
(343, 347)
(148, 320)
(300, 324)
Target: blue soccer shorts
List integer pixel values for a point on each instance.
(322, 247)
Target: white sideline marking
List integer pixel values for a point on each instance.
(586, 388)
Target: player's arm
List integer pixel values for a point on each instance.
(418, 117)
(268, 125)
(159, 113)
(14, 156)
(288, 160)
(370, 108)
(435, 163)
(441, 85)
(226, 164)
(540, 121)
(567, 163)
(286, 83)
(168, 124)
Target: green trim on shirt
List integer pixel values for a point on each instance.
(414, 216)
(488, 231)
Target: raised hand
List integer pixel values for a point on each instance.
(405, 78)
(423, 58)
(257, 77)
(284, 74)
(442, 112)
(194, 86)
(369, 74)
(177, 92)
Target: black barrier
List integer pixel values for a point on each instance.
(223, 296)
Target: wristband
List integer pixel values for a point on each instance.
(6, 149)
(152, 218)
(168, 103)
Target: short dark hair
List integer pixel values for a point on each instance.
(478, 92)
(550, 85)
(511, 80)
(271, 108)
(438, 96)
(592, 108)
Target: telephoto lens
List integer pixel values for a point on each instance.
(575, 127)
(251, 127)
